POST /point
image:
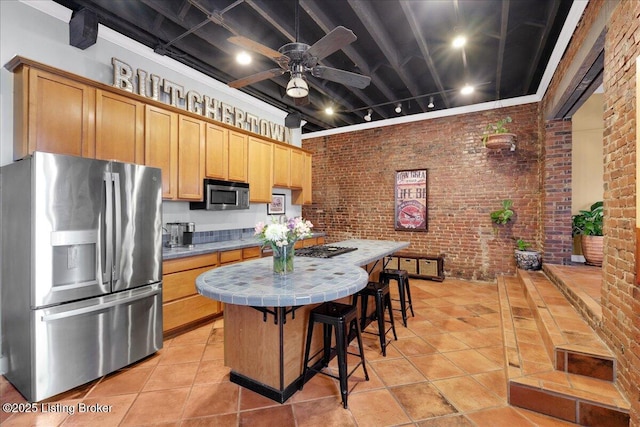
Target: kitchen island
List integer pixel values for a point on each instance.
(266, 315)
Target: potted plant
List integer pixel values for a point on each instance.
(496, 135)
(588, 225)
(527, 259)
(503, 216)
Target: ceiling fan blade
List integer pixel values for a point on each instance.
(254, 46)
(335, 40)
(264, 75)
(340, 76)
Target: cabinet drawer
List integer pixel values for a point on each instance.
(409, 264)
(252, 252)
(188, 263)
(428, 267)
(186, 310)
(181, 284)
(230, 256)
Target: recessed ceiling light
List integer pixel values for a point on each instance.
(459, 41)
(467, 90)
(243, 58)
(328, 111)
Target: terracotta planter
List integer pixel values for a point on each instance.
(500, 140)
(593, 249)
(528, 260)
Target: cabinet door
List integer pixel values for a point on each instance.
(161, 147)
(191, 153)
(217, 152)
(297, 168)
(281, 166)
(237, 156)
(260, 170)
(60, 116)
(119, 128)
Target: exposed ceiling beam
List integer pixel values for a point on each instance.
(504, 25)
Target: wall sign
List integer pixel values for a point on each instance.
(411, 200)
(155, 87)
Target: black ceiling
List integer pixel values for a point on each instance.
(403, 45)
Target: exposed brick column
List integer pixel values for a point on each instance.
(556, 163)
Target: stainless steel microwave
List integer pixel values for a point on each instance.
(223, 195)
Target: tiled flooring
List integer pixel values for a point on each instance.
(446, 369)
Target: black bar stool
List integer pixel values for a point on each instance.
(380, 292)
(404, 291)
(338, 316)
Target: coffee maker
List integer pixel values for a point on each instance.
(180, 234)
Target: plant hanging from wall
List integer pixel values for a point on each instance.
(496, 135)
(503, 216)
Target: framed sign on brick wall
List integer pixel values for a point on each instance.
(411, 200)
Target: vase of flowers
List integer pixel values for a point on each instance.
(282, 235)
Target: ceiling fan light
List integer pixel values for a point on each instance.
(297, 88)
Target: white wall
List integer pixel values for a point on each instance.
(39, 30)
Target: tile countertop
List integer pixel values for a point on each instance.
(207, 248)
(314, 280)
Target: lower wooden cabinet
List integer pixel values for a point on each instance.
(182, 305)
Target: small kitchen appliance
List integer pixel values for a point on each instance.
(180, 234)
(223, 196)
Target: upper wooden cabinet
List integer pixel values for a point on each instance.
(161, 147)
(226, 154)
(260, 169)
(59, 112)
(281, 166)
(297, 169)
(119, 128)
(191, 153)
(238, 152)
(303, 196)
(52, 113)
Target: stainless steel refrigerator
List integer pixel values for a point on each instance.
(81, 289)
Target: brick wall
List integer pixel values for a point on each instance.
(620, 292)
(353, 187)
(619, 307)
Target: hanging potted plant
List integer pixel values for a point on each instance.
(497, 136)
(588, 225)
(502, 216)
(527, 259)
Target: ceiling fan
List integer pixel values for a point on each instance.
(300, 58)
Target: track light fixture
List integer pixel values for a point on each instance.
(399, 108)
(367, 117)
(431, 105)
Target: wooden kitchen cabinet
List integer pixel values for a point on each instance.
(182, 306)
(161, 147)
(281, 166)
(52, 114)
(303, 196)
(260, 170)
(191, 153)
(119, 128)
(216, 152)
(238, 152)
(297, 169)
(231, 256)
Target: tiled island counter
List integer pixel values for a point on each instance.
(266, 315)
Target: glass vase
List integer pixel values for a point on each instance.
(283, 259)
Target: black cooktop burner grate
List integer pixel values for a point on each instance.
(323, 251)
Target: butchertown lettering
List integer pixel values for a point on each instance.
(155, 87)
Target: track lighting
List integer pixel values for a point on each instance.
(399, 108)
(367, 117)
(467, 90)
(431, 105)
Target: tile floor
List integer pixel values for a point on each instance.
(445, 369)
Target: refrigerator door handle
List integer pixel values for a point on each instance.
(118, 225)
(106, 244)
(101, 306)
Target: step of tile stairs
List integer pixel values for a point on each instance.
(555, 363)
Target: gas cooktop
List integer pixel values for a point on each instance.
(323, 251)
